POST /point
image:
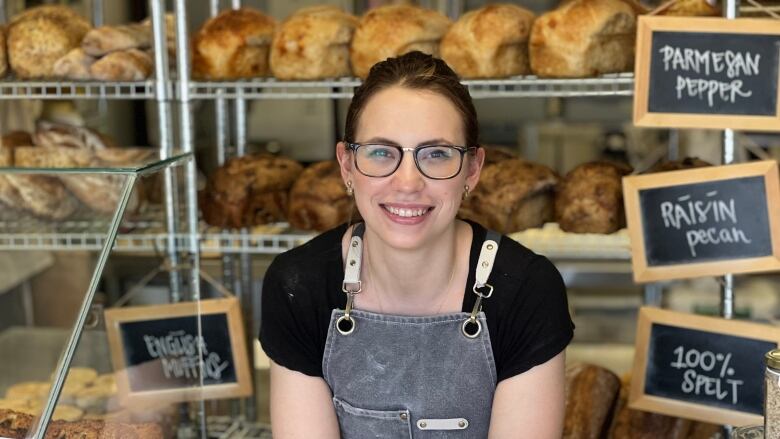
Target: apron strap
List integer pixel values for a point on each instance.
(352, 284)
(472, 327)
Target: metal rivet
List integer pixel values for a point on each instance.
(490, 246)
(423, 424)
(352, 262)
(485, 264)
(354, 243)
(403, 416)
(461, 424)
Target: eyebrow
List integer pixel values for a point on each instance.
(385, 141)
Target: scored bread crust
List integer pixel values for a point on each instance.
(489, 42)
(313, 43)
(233, 45)
(584, 38)
(390, 31)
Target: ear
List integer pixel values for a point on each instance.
(473, 165)
(344, 156)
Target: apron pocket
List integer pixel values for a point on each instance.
(356, 422)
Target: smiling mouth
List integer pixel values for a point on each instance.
(407, 213)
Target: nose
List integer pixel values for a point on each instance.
(408, 178)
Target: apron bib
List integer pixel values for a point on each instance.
(411, 376)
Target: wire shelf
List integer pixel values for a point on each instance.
(621, 84)
(77, 90)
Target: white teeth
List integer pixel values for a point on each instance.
(406, 212)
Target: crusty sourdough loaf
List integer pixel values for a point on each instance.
(232, 45)
(318, 199)
(591, 392)
(248, 191)
(74, 65)
(40, 36)
(490, 42)
(512, 195)
(590, 198)
(691, 8)
(106, 39)
(394, 30)
(313, 43)
(584, 38)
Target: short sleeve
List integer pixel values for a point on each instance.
(288, 331)
(536, 326)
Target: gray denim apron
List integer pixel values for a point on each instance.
(408, 376)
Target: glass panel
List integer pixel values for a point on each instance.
(54, 228)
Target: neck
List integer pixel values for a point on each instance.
(417, 281)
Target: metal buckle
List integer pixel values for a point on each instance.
(348, 291)
(472, 321)
(350, 320)
(484, 296)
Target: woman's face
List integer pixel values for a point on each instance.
(406, 209)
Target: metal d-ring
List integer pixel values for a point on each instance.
(471, 321)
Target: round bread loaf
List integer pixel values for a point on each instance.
(489, 42)
(249, 191)
(313, 43)
(318, 199)
(40, 36)
(512, 195)
(677, 165)
(590, 198)
(390, 31)
(232, 45)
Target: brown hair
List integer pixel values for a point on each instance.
(418, 71)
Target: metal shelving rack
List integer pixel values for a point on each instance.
(343, 88)
(78, 90)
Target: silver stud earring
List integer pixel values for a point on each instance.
(350, 191)
(465, 191)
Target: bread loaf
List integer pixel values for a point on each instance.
(313, 43)
(490, 42)
(232, 45)
(123, 65)
(106, 39)
(249, 191)
(676, 165)
(512, 195)
(42, 195)
(3, 55)
(691, 8)
(390, 31)
(40, 36)
(591, 392)
(590, 198)
(584, 38)
(318, 199)
(74, 65)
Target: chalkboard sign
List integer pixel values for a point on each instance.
(707, 72)
(179, 352)
(700, 368)
(705, 221)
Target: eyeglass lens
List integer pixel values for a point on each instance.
(435, 161)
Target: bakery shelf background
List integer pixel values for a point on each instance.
(516, 87)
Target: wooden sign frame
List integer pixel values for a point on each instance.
(647, 25)
(632, 185)
(640, 401)
(230, 306)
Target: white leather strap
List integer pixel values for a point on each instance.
(353, 263)
(487, 257)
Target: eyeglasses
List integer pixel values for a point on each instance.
(437, 162)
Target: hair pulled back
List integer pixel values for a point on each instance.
(416, 71)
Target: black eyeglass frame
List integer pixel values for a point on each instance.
(353, 146)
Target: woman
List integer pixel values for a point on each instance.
(413, 323)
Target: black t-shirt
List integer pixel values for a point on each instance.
(527, 315)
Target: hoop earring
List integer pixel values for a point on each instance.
(465, 191)
(350, 191)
